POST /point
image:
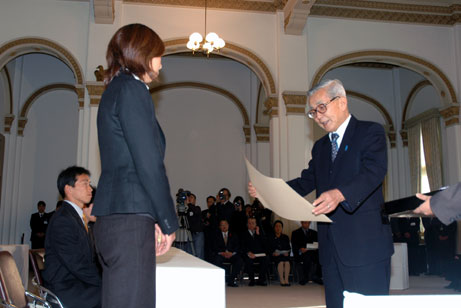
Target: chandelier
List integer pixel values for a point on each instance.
(212, 40)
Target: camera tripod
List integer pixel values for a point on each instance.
(184, 239)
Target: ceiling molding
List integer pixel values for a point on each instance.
(295, 15)
(104, 11)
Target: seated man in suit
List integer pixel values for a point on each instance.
(225, 249)
(308, 256)
(254, 251)
(70, 269)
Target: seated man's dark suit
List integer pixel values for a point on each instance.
(354, 249)
(232, 245)
(70, 271)
(254, 244)
(310, 258)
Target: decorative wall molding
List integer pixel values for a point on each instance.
(295, 15)
(295, 102)
(95, 90)
(262, 133)
(442, 14)
(104, 11)
(8, 121)
(272, 107)
(450, 115)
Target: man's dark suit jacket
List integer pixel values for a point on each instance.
(357, 233)
(132, 147)
(254, 244)
(38, 224)
(233, 244)
(225, 211)
(70, 271)
(300, 240)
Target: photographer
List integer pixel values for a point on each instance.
(194, 215)
(239, 220)
(225, 207)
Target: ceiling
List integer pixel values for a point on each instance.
(437, 12)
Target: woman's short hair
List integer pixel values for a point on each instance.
(132, 48)
(277, 222)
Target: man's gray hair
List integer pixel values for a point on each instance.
(334, 87)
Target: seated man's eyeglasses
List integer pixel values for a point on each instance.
(321, 108)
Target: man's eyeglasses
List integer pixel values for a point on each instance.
(321, 108)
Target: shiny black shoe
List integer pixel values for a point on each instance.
(302, 282)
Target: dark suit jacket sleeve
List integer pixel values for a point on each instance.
(446, 204)
(373, 168)
(143, 136)
(67, 242)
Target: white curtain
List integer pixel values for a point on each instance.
(430, 129)
(414, 154)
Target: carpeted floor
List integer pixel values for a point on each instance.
(312, 295)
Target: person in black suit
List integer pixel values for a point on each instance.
(210, 226)
(224, 206)
(70, 271)
(308, 256)
(347, 170)
(226, 249)
(136, 217)
(38, 225)
(280, 253)
(254, 250)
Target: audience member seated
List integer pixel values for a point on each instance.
(70, 271)
(254, 251)
(225, 250)
(280, 253)
(308, 256)
(38, 225)
(238, 221)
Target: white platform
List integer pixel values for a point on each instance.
(354, 300)
(399, 267)
(186, 281)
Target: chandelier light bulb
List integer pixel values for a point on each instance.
(220, 43)
(195, 37)
(212, 37)
(208, 47)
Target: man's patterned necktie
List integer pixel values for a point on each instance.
(334, 146)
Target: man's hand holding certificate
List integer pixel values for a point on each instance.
(277, 196)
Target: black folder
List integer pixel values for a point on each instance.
(404, 207)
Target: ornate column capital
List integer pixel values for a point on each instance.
(450, 115)
(404, 136)
(95, 90)
(80, 89)
(21, 125)
(272, 107)
(247, 132)
(295, 102)
(9, 118)
(262, 133)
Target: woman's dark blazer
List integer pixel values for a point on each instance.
(132, 148)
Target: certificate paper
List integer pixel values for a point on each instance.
(277, 196)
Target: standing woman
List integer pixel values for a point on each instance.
(136, 219)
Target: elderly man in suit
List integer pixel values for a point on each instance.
(226, 249)
(70, 270)
(347, 169)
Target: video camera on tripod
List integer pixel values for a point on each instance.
(183, 234)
